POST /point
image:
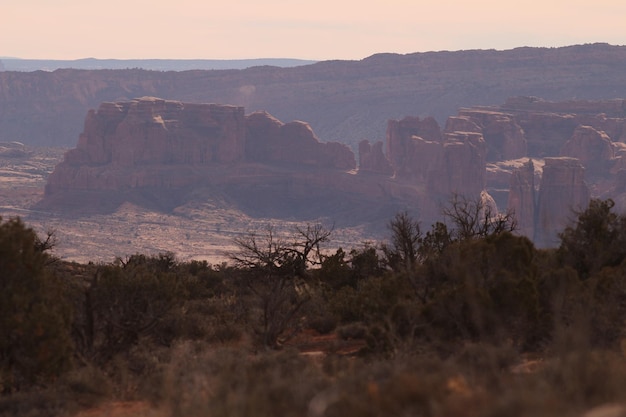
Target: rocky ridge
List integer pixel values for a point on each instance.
(156, 151)
(160, 152)
(343, 101)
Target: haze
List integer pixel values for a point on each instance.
(325, 29)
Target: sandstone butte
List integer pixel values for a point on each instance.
(540, 159)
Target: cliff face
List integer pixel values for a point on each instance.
(155, 151)
(563, 191)
(549, 125)
(590, 134)
(503, 136)
(450, 162)
(522, 198)
(462, 168)
(593, 148)
(544, 212)
(163, 150)
(152, 142)
(372, 158)
(268, 166)
(152, 131)
(346, 100)
(270, 141)
(409, 144)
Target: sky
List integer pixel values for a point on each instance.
(318, 30)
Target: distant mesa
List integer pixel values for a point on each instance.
(160, 152)
(541, 159)
(156, 152)
(345, 101)
(17, 64)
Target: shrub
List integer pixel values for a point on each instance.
(34, 320)
(485, 289)
(126, 302)
(597, 238)
(234, 383)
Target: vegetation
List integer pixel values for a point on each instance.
(34, 333)
(464, 319)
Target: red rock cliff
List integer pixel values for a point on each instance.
(152, 142)
(522, 198)
(268, 140)
(563, 190)
(150, 131)
(592, 147)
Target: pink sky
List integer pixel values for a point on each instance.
(323, 29)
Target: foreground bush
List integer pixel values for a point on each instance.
(34, 321)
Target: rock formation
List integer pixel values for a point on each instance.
(461, 124)
(504, 137)
(270, 141)
(164, 154)
(461, 169)
(589, 131)
(408, 144)
(350, 100)
(168, 148)
(151, 131)
(522, 198)
(592, 147)
(562, 192)
(448, 163)
(151, 142)
(548, 125)
(372, 159)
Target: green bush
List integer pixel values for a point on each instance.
(486, 289)
(34, 320)
(126, 302)
(597, 238)
(372, 300)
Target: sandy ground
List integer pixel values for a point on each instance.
(201, 231)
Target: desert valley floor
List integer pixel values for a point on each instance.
(198, 231)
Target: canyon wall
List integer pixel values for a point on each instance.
(343, 101)
(151, 142)
(259, 162)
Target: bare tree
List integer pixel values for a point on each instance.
(276, 270)
(406, 237)
(46, 243)
(475, 218)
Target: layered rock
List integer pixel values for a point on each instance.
(461, 169)
(350, 100)
(151, 142)
(504, 137)
(450, 162)
(372, 159)
(592, 132)
(407, 139)
(268, 140)
(259, 161)
(461, 124)
(549, 125)
(151, 131)
(562, 192)
(522, 198)
(593, 148)
(153, 150)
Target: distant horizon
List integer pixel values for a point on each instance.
(86, 58)
(155, 64)
(321, 31)
(154, 59)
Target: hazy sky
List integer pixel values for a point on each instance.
(321, 29)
